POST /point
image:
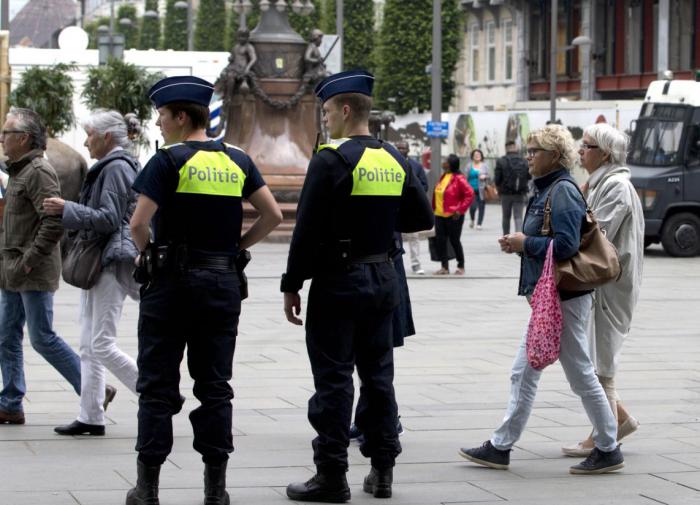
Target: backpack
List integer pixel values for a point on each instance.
(515, 175)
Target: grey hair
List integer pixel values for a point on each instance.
(610, 140)
(104, 121)
(554, 137)
(31, 123)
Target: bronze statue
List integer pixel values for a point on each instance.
(240, 63)
(314, 66)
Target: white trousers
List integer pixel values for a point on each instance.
(413, 240)
(580, 373)
(101, 310)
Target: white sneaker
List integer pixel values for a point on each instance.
(420, 271)
(478, 227)
(471, 224)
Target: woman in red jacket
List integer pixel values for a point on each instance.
(451, 199)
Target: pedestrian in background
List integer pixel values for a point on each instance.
(478, 176)
(616, 206)
(413, 239)
(551, 154)
(193, 189)
(343, 240)
(30, 262)
(511, 177)
(104, 208)
(451, 199)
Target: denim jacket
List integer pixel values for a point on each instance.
(568, 218)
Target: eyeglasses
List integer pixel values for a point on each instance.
(532, 151)
(589, 146)
(5, 132)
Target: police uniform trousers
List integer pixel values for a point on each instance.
(195, 309)
(348, 324)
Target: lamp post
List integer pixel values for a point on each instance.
(182, 4)
(553, 64)
(242, 8)
(339, 20)
(436, 90)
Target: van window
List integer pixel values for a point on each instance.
(656, 142)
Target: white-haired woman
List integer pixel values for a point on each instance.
(104, 209)
(618, 210)
(551, 153)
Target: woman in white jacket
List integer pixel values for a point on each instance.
(617, 208)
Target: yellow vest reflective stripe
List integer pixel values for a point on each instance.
(211, 173)
(333, 144)
(377, 174)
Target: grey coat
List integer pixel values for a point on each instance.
(106, 204)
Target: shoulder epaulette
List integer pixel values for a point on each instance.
(234, 147)
(333, 144)
(172, 145)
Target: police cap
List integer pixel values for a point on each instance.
(181, 88)
(352, 81)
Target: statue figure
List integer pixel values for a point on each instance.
(314, 66)
(240, 63)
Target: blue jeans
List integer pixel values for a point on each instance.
(580, 373)
(36, 309)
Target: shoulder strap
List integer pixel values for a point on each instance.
(547, 221)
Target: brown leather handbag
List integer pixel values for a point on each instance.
(597, 261)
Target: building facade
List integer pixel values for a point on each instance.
(628, 43)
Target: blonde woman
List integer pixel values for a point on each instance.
(551, 154)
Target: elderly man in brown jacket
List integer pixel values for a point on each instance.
(30, 262)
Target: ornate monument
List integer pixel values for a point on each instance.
(269, 108)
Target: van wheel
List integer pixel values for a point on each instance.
(681, 235)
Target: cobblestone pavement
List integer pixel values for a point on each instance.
(452, 382)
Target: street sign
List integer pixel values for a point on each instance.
(437, 129)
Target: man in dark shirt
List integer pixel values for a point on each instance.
(192, 190)
(358, 191)
(413, 239)
(511, 177)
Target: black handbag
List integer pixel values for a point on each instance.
(434, 255)
(82, 262)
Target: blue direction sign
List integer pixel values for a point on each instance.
(437, 129)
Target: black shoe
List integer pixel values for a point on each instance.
(110, 393)
(78, 428)
(487, 455)
(378, 482)
(146, 490)
(600, 462)
(321, 487)
(355, 432)
(215, 485)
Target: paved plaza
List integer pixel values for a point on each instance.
(452, 382)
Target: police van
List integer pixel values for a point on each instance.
(664, 158)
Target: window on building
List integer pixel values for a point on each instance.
(491, 50)
(507, 50)
(474, 43)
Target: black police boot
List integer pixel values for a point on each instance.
(329, 488)
(146, 490)
(378, 482)
(215, 485)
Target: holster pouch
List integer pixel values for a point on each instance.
(241, 262)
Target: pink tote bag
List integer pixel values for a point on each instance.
(544, 329)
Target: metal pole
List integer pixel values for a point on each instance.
(585, 51)
(436, 102)
(111, 28)
(5, 15)
(190, 31)
(662, 63)
(339, 28)
(553, 65)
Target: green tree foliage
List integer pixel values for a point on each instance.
(405, 49)
(150, 28)
(130, 32)
(232, 22)
(49, 92)
(210, 27)
(91, 29)
(327, 22)
(120, 86)
(358, 34)
(175, 27)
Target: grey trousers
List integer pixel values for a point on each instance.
(513, 205)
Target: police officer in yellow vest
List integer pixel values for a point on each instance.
(357, 192)
(191, 191)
